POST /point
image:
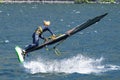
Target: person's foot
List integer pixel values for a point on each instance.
(23, 53)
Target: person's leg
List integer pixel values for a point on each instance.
(30, 46)
(35, 42)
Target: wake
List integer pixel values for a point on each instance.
(77, 64)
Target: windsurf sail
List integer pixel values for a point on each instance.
(69, 32)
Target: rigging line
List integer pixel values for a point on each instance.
(58, 44)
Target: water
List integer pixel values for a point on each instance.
(92, 54)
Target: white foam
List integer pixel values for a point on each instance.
(76, 64)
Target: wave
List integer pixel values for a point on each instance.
(77, 64)
(5, 41)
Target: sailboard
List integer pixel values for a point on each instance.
(69, 32)
(19, 54)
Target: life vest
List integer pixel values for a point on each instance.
(39, 30)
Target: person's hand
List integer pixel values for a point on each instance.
(53, 36)
(46, 39)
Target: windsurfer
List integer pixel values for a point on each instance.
(38, 34)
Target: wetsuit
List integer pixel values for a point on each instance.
(36, 37)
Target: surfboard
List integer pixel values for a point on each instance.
(19, 54)
(69, 32)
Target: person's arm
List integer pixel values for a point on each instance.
(53, 35)
(50, 31)
(42, 37)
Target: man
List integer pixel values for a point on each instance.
(38, 34)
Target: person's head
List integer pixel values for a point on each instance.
(46, 23)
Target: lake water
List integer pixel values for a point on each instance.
(92, 54)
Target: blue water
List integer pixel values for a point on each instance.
(92, 54)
